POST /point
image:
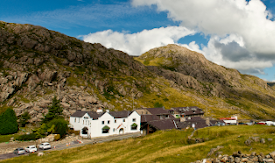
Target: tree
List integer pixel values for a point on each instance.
(23, 120)
(55, 111)
(8, 122)
(59, 126)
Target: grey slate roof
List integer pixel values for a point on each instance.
(198, 124)
(120, 114)
(78, 113)
(94, 115)
(163, 124)
(147, 118)
(157, 111)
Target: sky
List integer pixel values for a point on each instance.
(236, 34)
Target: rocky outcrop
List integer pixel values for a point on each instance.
(238, 157)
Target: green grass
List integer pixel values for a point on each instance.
(6, 138)
(164, 146)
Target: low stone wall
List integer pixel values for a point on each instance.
(238, 157)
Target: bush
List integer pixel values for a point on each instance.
(26, 137)
(60, 126)
(57, 137)
(8, 122)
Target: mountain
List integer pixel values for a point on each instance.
(231, 89)
(37, 64)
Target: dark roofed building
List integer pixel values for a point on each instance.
(148, 118)
(186, 111)
(158, 111)
(163, 124)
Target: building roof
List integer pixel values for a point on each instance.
(80, 113)
(192, 110)
(198, 124)
(147, 118)
(157, 111)
(191, 119)
(214, 122)
(163, 124)
(94, 115)
(120, 114)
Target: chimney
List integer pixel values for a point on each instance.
(99, 110)
(182, 119)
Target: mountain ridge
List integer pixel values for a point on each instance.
(37, 64)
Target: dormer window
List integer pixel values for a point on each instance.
(86, 118)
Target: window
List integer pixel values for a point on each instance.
(74, 119)
(103, 122)
(123, 120)
(85, 117)
(134, 126)
(115, 121)
(134, 119)
(78, 120)
(83, 121)
(114, 129)
(108, 122)
(105, 129)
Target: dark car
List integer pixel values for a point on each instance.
(19, 151)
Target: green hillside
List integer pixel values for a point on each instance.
(165, 146)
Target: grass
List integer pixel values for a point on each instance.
(164, 146)
(6, 138)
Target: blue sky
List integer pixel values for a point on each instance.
(233, 33)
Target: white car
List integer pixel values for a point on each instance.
(44, 146)
(31, 149)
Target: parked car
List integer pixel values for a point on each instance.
(270, 123)
(44, 146)
(261, 123)
(19, 151)
(31, 149)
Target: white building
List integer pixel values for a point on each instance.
(231, 121)
(92, 124)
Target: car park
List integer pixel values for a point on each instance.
(44, 146)
(31, 149)
(19, 151)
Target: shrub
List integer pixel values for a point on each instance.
(8, 122)
(26, 137)
(57, 137)
(60, 126)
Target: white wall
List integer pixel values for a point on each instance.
(230, 121)
(115, 124)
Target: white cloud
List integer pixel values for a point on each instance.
(138, 43)
(242, 34)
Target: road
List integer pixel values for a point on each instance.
(79, 143)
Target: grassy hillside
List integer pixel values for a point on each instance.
(165, 146)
